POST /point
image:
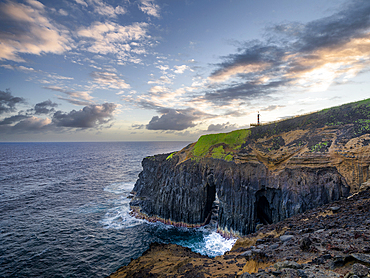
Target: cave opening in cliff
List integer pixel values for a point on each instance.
(211, 205)
(214, 213)
(264, 213)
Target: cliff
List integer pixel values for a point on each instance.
(328, 241)
(260, 175)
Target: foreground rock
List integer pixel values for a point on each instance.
(260, 175)
(329, 241)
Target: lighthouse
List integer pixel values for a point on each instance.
(258, 120)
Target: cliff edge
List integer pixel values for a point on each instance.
(261, 175)
(330, 241)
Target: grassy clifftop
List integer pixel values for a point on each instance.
(352, 119)
(221, 145)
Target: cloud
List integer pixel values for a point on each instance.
(81, 2)
(75, 97)
(104, 9)
(162, 80)
(21, 68)
(112, 38)
(220, 127)
(90, 116)
(109, 80)
(45, 107)
(63, 12)
(149, 7)
(309, 57)
(181, 69)
(32, 124)
(246, 90)
(59, 77)
(29, 31)
(13, 119)
(272, 107)
(8, 102)
(175, 119)
(137, 126)
(163, 68)
(75, 101)
(36, 4)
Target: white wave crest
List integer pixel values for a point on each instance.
(119, 218)
(119, 188)
(216, 245)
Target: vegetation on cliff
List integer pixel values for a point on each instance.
(352, 116)
(221, 145)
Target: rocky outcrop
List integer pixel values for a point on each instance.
(328, 241)
(248, 194)
(261, 175)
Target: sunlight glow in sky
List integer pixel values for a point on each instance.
(147, 70)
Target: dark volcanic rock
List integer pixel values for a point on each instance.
(334, 252)
(182, 194)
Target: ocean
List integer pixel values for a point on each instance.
(64, 210)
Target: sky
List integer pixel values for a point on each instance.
(173, 70)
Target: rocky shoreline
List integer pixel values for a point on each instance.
(329, 241)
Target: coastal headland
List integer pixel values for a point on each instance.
(252, 181)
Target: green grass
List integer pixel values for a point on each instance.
(233, 140)
(320, 147)
(218, 153)
(362, 126)
(170, 156)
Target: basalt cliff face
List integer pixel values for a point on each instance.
(331, 241)
(261, 175)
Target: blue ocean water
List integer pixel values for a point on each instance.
(64, 210)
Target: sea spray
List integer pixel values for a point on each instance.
(204, 240)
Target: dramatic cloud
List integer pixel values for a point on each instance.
(308, 57)
(109, 80)
(88, 117)
(31, 124)
(13, 119)
(8, 102)
(247, 90)
(175, 119)
(45, 107)
(149, 7)
(92, 116)
(29, 31)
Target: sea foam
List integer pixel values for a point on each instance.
(118, 215)
(205, 240)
